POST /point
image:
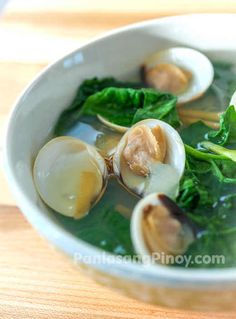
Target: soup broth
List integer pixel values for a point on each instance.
(107, 226)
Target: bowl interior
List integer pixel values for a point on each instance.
(119, 54)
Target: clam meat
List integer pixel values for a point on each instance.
(149, 158)
(184, 72)
(158, 225)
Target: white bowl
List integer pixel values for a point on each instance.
(119, 53)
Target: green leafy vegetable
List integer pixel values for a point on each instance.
(112, 233)
(202, 155)
(128, 106)
(105, 228)
(228, 153)
(227, 132)
(192, 193)
(226, 135)
(207, 190)
(89, 87)
(219, 247)
(219, 241)
(194, 134)
(122, 103)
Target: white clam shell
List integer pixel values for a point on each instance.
(56, 173)
(115, 127)
(190, 60)
(175, 158)
(136, 226)
(187, 232)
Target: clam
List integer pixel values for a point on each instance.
(160, 229)
(106, 143)
(113, 126)
(70, 176)
(150, 157)
(184, 72)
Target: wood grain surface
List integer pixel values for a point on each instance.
(35, 280)
(38, 282)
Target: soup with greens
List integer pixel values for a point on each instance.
(154, 148)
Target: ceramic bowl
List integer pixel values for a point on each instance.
(119, 53)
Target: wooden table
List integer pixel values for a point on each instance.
(35, 280)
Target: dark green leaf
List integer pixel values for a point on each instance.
(128, 106)
(194, 134)
(105, 228)
(226, 135)
(72, 113)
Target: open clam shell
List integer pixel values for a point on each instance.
(70, 176)
(159, 229)
(185, 72)
(164, 174)
(115, 127)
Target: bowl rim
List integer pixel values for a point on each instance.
(65, 241)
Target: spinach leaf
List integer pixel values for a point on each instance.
(207, 190)
(194, 133)
(205, 179)
(105, 228)
(226, 135)
(219, 247)
(107, 225)
(128, 106)
(219, 239)
(112, 234)
(123, 103)
(192, 193)
(71, 114)
(208, 199)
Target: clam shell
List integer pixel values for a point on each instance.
(175, 158)
(188, 231)
(190, 60)
(115, 127)
(57, 175)
(136, 224)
